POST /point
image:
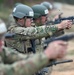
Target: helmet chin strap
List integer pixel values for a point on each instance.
(19, 24)
(25, 21)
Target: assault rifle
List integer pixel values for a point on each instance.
(54, 62)
(9, 35)
(57, 21)
(65, 37)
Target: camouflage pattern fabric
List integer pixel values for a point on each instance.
(15, 63)
(55, 14)
(24, 34)
(29, 33)
(27, 66)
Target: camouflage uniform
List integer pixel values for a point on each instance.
(53, 14)
(50, 18)
(26, 34)
(23, 34)
(14, 63)
(27, 66)
(39, 11)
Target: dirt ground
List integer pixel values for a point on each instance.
(66, 68)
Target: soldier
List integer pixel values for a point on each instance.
(10, 18)
(14, 63)
(22, 28)
(53, 17)
(49, 6)
(25, 18)
(40, 18)
(41, 15)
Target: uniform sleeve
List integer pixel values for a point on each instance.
(11, 55)
(28, 66)
(34, 32)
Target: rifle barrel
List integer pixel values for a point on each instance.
(59, 20)
(59, 62)
(65, 37)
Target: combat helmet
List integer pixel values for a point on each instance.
(17, 4)
(22, 10)
(47, 5)
(39, 10)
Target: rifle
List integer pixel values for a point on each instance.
(9, 35)
(57, 21)
(65, 37)
(54, 62)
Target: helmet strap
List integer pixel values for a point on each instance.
(25, 20)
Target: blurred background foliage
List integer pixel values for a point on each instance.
(10, 3)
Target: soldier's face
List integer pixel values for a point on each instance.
(43, 19)
(28, 22)
(21, 21)
(25, 22)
